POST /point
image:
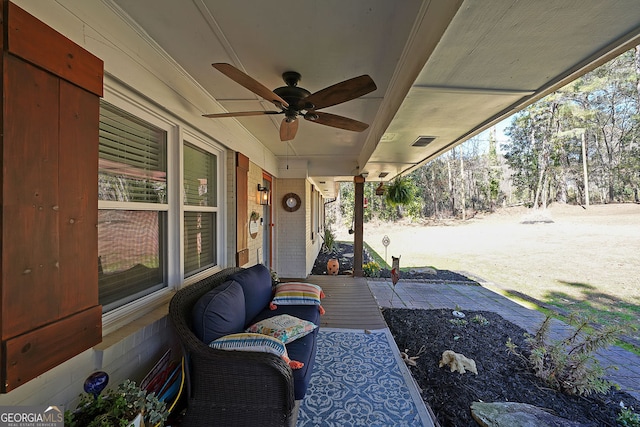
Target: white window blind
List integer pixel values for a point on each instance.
(133, 164)
(199, 237)
(199, 177)
(132, 169)
(200, 200)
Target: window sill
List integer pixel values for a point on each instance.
(131, 328)
(126, 320)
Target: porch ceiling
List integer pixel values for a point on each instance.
(444, 68)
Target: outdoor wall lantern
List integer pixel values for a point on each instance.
(262, 195)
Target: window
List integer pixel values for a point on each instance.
(200, 209)
(159, 206)
(320, 214)
(314, 216)
(132, 215)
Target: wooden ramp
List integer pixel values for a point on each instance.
(348, 303)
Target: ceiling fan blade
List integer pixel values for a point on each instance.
(250, 83)
(336, 121)
(240, 114)
(288, 129)
(339, 93)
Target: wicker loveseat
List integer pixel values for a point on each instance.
(240, 388)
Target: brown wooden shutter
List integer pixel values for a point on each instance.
(242, 209)
(49, 272)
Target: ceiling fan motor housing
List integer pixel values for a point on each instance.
(292, 93)
(291, 78)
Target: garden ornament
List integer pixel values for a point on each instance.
(395, 274)
(458, 362)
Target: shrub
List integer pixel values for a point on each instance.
(458, 322)
(480, 320)
(569, 365)
(274, 277)
(329, 241)
(371, 269)
(628, 418)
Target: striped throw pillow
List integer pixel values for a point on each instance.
(255, 342)
(297, 293)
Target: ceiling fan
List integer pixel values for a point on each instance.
(294, 101)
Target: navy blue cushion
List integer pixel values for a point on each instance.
(219, 312)
(256, 285)
(303, 349)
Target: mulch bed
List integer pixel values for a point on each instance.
(501, 377)
(343, 252)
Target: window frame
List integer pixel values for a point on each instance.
(191, 138)
(312, 209)
(178, 132)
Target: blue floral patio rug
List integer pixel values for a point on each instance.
(359, 379)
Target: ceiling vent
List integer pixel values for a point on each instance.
(423, 141)
(383, 174)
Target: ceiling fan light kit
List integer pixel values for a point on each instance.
(294, 101)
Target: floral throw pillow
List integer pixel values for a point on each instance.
(284, 327)
(255, 342)
(297, 293)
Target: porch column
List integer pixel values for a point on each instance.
(358, 213)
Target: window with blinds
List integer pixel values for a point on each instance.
(200, 206)
(130, 255)
(199, 177)
(199, 241)
(133, 158)
(131, 236)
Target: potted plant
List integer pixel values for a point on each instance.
(126, 406)
(400, 191)
(274, 277)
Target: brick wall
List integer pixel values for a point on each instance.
(291, 230)
(255, 243)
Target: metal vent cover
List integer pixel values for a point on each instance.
(423, 141)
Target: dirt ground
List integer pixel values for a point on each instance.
(501, 377)
(571, 256)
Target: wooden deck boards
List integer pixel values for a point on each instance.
(348, 303)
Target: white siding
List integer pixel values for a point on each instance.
(131, 58)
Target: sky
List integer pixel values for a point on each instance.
(500, 136)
